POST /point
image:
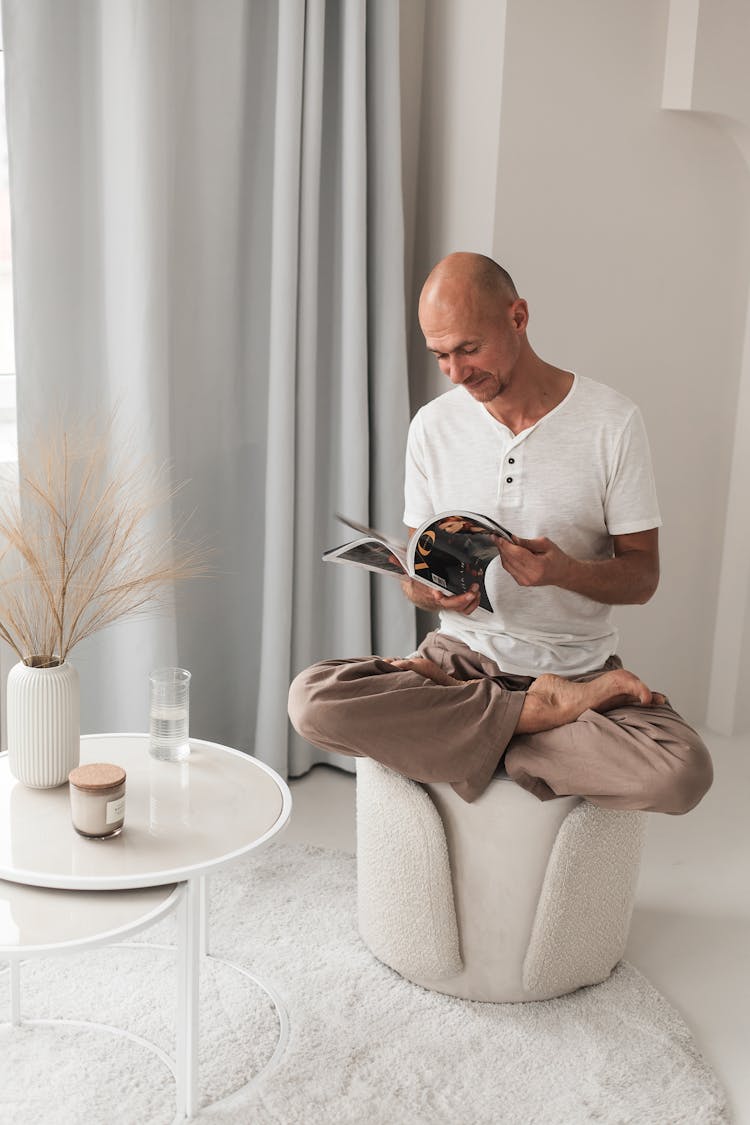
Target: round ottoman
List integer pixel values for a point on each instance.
(507, 898)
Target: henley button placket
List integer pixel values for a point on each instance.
(509, 485)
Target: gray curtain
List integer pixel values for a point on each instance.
(208, 236)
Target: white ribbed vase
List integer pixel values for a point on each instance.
(44, 728)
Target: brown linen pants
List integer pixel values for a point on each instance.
(634, 757)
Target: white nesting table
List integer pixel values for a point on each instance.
(182, 821)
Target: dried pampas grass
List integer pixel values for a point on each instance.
(80, 546)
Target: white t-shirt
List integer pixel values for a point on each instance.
(580, 475)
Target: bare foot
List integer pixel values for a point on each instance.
(427, 668)
(552, 701)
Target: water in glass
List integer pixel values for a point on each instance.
(170, 714)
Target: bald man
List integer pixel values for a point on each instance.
(535, 686)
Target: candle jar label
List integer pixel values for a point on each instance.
(115, 810)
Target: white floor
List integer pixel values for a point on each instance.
(691, 926)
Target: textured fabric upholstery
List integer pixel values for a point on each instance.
(583, 915)
(504, 899)
(406, 912)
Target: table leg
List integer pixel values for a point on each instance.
(188, 961)
(14, 973)
(204, 916)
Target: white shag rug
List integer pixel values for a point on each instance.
(365, 1046)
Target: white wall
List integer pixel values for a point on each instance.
(457, 149)
(742, 715)
(706, 73)
(626, 227)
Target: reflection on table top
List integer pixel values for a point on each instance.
(37, 919)
(181, 818)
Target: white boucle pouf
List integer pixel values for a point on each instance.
(504, 899)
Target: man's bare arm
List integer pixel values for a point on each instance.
(629, 578)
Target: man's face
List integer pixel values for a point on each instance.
(476, 345)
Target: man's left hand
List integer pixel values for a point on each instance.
(534, 562)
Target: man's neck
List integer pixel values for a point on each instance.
(536, 389)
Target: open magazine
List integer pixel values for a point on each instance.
(449, 552)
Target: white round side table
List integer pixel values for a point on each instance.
(35, 921)
(183, 820)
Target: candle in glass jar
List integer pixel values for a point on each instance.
(97, 799)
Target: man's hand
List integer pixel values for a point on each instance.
(630, 577)
(426, 598)
(425, 667)
(534, 562)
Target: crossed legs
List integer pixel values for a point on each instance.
(456, 716)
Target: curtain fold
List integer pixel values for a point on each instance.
(279, 530)
(208, 236)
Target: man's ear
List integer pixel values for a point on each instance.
(520, 313)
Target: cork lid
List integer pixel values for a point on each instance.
(97, 775)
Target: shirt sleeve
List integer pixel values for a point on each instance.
(418, 505)
(630, 501)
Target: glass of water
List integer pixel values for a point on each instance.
(169, 714)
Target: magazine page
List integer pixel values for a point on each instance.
(372, 554)
(454, 550)
(469, 523)
(370, 532)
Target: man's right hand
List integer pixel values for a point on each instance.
(433, 600)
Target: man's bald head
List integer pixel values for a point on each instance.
(475, 276)
(474, 323)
